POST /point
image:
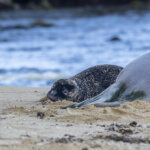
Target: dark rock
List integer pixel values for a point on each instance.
(85, 148)
(41, 115)
(41, 24)
(73, 3)
(5, 5)
(125, 131)
(4, 40)
(115, 38)
(133, 124)
(47, 4)
(123, 138)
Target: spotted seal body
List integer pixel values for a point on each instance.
(132, 83)
(84, 85)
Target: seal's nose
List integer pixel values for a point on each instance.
(53, 92)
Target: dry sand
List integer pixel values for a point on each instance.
(27, 124)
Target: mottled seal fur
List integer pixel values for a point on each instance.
(86, 84)
(132, 83)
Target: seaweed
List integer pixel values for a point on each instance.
(116, 95)
(135, 95)
(130, 97)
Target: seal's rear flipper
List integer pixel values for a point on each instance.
(112, 104)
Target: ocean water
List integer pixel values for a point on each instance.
(38, 56)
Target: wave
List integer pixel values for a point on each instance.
(28, 70)
(30, 79)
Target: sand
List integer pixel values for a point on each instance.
(27, 124)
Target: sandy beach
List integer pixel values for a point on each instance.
(27, 124)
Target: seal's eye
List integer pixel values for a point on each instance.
(65, 91)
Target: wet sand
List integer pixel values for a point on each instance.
(26, 124)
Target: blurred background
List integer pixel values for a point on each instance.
(45, 40)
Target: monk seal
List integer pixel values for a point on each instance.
(132, 83)
(86, 84)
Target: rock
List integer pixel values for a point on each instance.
(41, 24)
(133, 124)
(5, 4)
(115, 38)
(41, 115)
(47, 4)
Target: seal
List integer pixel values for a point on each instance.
(131, 84)
(86, 84)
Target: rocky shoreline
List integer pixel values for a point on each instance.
(49, 4)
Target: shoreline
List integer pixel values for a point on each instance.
(25, 123)
(49, 4)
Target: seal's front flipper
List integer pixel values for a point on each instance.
(69, 106)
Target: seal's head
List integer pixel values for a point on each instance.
(63, 89)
